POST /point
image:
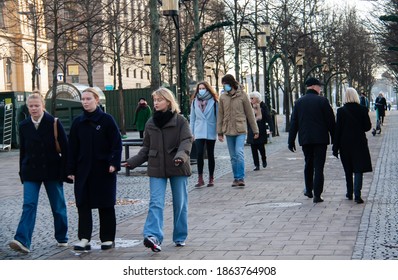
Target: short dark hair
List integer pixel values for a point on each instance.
(229, 79)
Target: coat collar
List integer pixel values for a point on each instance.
(95, 116)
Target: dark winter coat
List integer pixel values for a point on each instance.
(262, 127)
(313, 119)
(350, 138)
(381, 105)
(94, 145)
(38, 158)
(161, 146)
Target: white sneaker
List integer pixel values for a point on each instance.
(153, 243)
(107, 245)
(82, 245)
(62, 244)
(180, 243)
(17, 246)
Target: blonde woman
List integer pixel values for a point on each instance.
(95, 148)
(166, 147)
(40, 163)
(350, 141)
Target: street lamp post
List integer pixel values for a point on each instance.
(263, 37)
(300, 63)
(162, 62)
(171, 8)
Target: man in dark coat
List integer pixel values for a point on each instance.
(313, 120)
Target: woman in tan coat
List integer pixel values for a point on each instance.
(234, 112)
(166, 147)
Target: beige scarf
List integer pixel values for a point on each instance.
(257, 111)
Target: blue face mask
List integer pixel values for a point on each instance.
(227, 87)
(202, 92)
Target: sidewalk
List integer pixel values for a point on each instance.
(269, 218)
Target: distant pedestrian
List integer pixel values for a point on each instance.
(166, 147)
(234, 113)
(95, 149)
(381, 107)
(142, 114)
(41, 163)
(263, 117)
(363, 100)
(203, 122)
(350, 140)
(313, 120)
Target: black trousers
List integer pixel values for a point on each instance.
(315, 157)
(200, 146)
(107, 219)
(256, 148)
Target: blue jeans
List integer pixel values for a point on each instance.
(236, 145)
(154, 221)
(55, 193)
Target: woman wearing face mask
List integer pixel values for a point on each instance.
(203, 121)
(234, 112)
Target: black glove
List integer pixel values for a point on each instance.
(292, 147)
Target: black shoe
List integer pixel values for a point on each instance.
(318, 199)
(264, 163)
(256, 168)
(359, 200)
(349, 196)
(308, 194)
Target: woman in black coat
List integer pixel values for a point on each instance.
(352, 122)
(95, 148)
(262, 118)
(41, 163)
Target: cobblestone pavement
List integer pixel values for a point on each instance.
(229, 223)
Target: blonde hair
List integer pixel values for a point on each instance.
(351, 96)
(93, 91)
(37, 96)
(169, 96)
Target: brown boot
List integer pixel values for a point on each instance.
(211, 182)
(200, 181)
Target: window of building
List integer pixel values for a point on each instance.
(71, 40)
(142, 74)
(2, 25)
(128, 72)
(135, 73)
(73, 70)
(111, 70)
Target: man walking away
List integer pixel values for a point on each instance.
(313, 120)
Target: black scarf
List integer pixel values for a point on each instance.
(160, 118)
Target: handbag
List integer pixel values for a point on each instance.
(57, 146)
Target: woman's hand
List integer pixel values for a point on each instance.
(178, 162)
(112, 169)
(71, 177)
